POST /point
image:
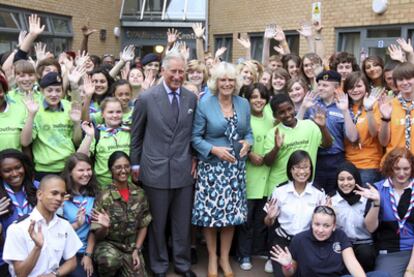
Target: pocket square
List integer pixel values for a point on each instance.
(190, 111)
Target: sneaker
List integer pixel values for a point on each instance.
(268, 266)
(245, 263)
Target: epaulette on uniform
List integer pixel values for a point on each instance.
(318, 187)
(282, 184)
(61, 216)
(22, 218)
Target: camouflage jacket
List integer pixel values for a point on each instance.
(126, 217)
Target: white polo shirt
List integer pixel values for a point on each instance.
(351, 218)
(60, 240)
(296, 209)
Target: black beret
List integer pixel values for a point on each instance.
(329, 75)
(148, 58)
(50, 79)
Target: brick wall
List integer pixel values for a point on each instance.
(233, 16)
(101, 14)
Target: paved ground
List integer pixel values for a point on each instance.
(201, 267)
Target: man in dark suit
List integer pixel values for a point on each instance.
(161, 157)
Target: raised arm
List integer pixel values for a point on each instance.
(23, 268)
(245, 43)
(75, 116)
(372, 217)
(342, 103)
(385, 107)
(270, 157)
(199, 34)
(27, 132)
(35, 29)
(127, 55)
(86, 32)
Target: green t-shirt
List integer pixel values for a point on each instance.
(268, 111)
(11, 124)
(256, 176)
(97, 118)
(306, 136)
(107, 145)
(52, 138)
(18, 96)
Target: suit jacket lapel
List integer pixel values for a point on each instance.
(164, 106)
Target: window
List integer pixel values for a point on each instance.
(196, 10)
(374, 40)
(292, 40)
(61, 25)
(57, 34)
(165, 9)
(350, 42)
(10, 20)
(256, 41)
(224, 41)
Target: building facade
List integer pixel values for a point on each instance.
(143, 23)
(348, 25)
(63, 20)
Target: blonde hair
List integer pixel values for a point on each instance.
(107, 100)
(221, 70)
(196, 65)
(251, 67)
(23, 66)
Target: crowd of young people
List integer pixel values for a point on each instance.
(305, 160)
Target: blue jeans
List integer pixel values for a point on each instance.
(370, 176)
(374, 274)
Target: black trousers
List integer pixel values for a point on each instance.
(252, 236)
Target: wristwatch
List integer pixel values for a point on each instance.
(56, 272)
(87, 254)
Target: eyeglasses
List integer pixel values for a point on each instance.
(306, 167)
(120, 167)
(107, 55)
(324, 210)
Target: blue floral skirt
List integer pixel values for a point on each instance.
(220, 194)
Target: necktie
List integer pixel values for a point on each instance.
(174, 105)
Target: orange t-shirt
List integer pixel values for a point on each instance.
(397, 127)
(367, 154)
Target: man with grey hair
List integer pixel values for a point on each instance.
(162, 161)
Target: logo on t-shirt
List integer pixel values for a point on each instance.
(336, 247)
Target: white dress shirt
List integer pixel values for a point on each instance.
(296, 210)
(60, 240)
(351, 218)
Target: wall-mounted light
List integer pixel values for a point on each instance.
(117, 32)
(158, 49)
(102, 34)
(379, 6)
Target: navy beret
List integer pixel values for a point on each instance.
(148, 58)
(329, 75)
(50, 79)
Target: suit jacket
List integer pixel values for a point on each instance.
(160, 146)
(210, 125)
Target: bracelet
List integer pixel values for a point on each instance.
(288, 266)
(385, 119)
(138, 248)
(376, 205)
(87, 254)
(56, 273)
(409, 271)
